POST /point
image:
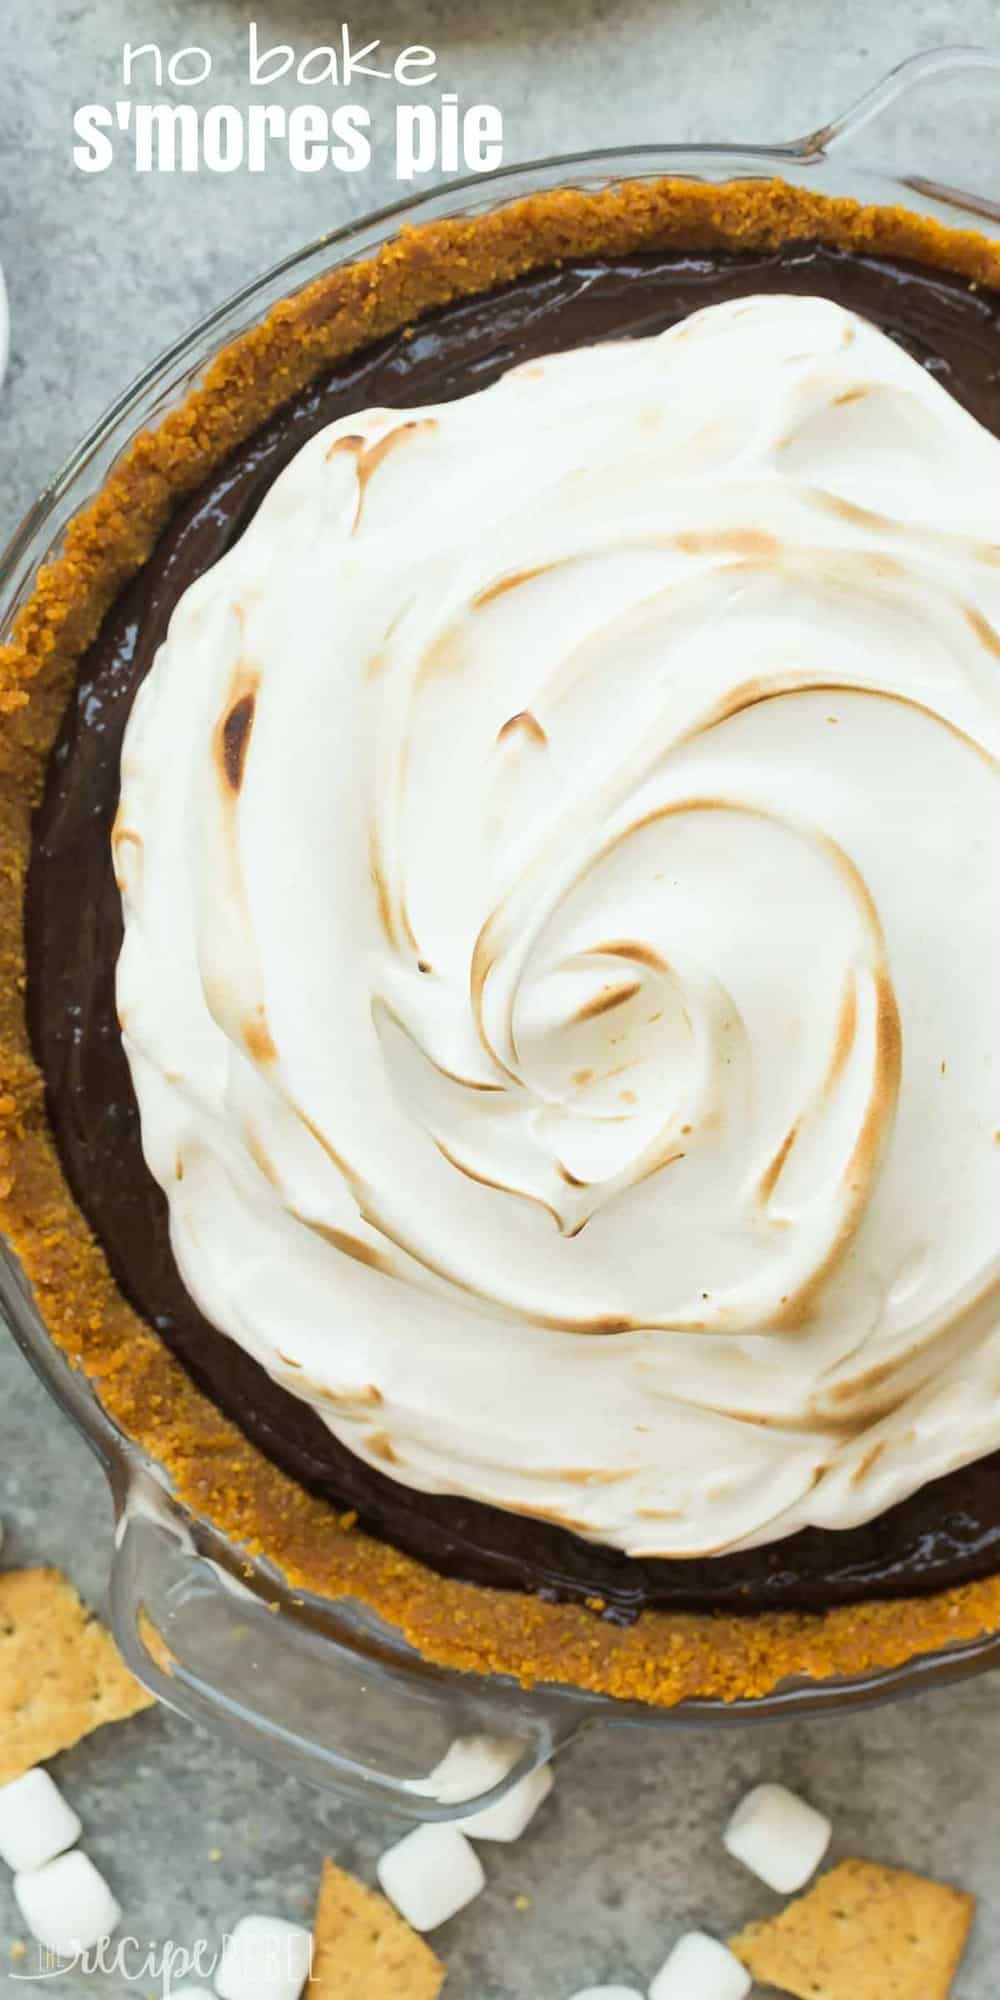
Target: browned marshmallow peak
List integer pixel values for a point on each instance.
(560, 964)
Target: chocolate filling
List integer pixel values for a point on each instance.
(948, 1531)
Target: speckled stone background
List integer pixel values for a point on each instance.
(102, 272)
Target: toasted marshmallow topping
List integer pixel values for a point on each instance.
(561, 974)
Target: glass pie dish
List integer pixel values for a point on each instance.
(326, 1687)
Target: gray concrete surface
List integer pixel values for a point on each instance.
(102, 272)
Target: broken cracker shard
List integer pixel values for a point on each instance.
(60, 1672)
(864, 1932)
(363, 1951)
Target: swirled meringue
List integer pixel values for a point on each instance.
(558, 847)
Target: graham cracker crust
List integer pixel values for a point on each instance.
(664, 1658)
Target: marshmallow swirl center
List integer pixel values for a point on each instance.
(558, 847)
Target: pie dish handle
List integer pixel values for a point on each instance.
(938, 109)
(323, 1690)
(318, 1688)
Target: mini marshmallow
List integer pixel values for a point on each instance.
(35, 1821)
(430, 1874)
(472, 1765)
(607, 1993)
(780, 1838)
(67, 1904)
(264, 1958)
(508, 1818)
(699, 1968)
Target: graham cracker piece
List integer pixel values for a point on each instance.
(363, 1951)
(60, 1673)
(863, 1933)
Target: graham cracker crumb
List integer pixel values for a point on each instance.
(60, 1674)
(155, 1644)
(363, 1951)
(863, 1933)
